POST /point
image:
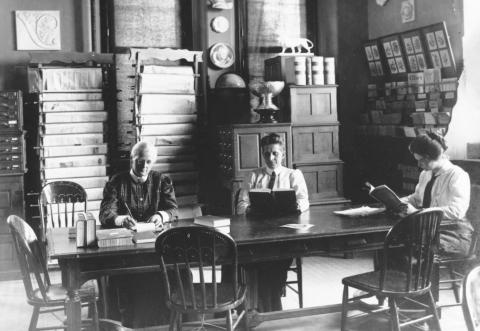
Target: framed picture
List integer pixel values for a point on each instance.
(373, 58)
(375, 53)
(388, 49)
(422, 65)
(400, 65)
(412, 62)
(393, 66)
(408, 45)
(38, 29)
(407, 11)
(440, 50)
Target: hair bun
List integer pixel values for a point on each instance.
(438, 138)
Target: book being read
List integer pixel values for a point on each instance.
(273, 202)
(385, 195)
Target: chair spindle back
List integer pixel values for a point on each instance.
(416, 237)
(185, 248)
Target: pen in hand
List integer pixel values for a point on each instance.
(131, 221)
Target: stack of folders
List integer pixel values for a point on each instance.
(220, 223)
(114, 237)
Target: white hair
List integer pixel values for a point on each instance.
(144, 147)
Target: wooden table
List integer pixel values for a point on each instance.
(258, 239)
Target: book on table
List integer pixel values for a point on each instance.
(114, 237)
(220, 223)
(273, 202)
(385, 195)
(145, 233)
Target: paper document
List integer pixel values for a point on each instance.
(360, 211)
(144, 227)
(297, 226)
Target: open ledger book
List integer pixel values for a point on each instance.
(385, 195)
(273, 202)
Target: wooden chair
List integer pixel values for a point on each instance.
(182, 249)
(456, 266)
(44, 296)
(416, 237)
(471, 299)
(58, 202)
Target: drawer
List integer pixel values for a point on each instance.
(313, 104)
(315, 143)
(324, 180)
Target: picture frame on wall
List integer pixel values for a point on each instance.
(395, 54)
(374, 59)
(439, 49)
(415, 50)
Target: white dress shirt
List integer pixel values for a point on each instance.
(450, 191)
(285, 178)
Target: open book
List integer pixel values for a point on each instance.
(273, 202)
(385, 195)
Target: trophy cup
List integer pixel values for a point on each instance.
(266, 91)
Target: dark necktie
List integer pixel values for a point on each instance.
(427, 195)
(272, 180)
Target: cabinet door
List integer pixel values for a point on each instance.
(315, 143)
(11, 202)
(247, 153)
(313, 104)
(324, 181)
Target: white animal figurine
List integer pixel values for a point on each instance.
(295, 45)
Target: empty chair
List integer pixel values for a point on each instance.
(202, 250)
(44, 296)
(471, 299)
(416, 236)
(58, 203)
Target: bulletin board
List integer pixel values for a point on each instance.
(439, 49)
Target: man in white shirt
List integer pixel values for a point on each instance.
(272, 275)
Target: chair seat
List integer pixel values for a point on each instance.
(394, 284)
(452, 258)
(224, 295)
(56, 293)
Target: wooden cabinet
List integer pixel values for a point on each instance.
(313, 111)
(12, 168)
(240, 147)
(312, 104)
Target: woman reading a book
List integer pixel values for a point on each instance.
(272, 276)
(444, 185)
(138, 195)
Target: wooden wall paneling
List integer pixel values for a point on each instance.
(315, 143)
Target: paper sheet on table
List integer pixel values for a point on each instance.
(297, 226)
(360, 211)
(144, 227)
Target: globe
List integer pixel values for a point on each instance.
(230, 80)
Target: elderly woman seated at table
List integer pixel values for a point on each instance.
(138, 195)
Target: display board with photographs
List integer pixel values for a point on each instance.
(439, 49)
(414, 51)
(395, 58)
(374, 61)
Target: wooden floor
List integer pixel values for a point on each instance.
(322, 281)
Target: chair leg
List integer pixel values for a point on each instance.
(298, 261)
(394, 320)
(34, 319)
(179, 322)
(435, 281)
(433, 306)
(94, 308)
(344, 308)
(245, 323)
(454, 284)
(173, 320)
(229, 320)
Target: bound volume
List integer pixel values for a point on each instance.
(385, 195)
(273, 202)
(114, 237)
(211, 220)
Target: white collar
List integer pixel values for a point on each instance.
(277, 170)
(137, 179)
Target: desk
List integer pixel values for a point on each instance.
(258, 239)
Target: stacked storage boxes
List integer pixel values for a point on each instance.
(71, 133)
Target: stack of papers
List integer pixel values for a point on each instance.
(360, 211)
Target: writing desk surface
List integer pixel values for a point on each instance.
(245, 230)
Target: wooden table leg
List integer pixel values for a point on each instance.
(71, 281)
